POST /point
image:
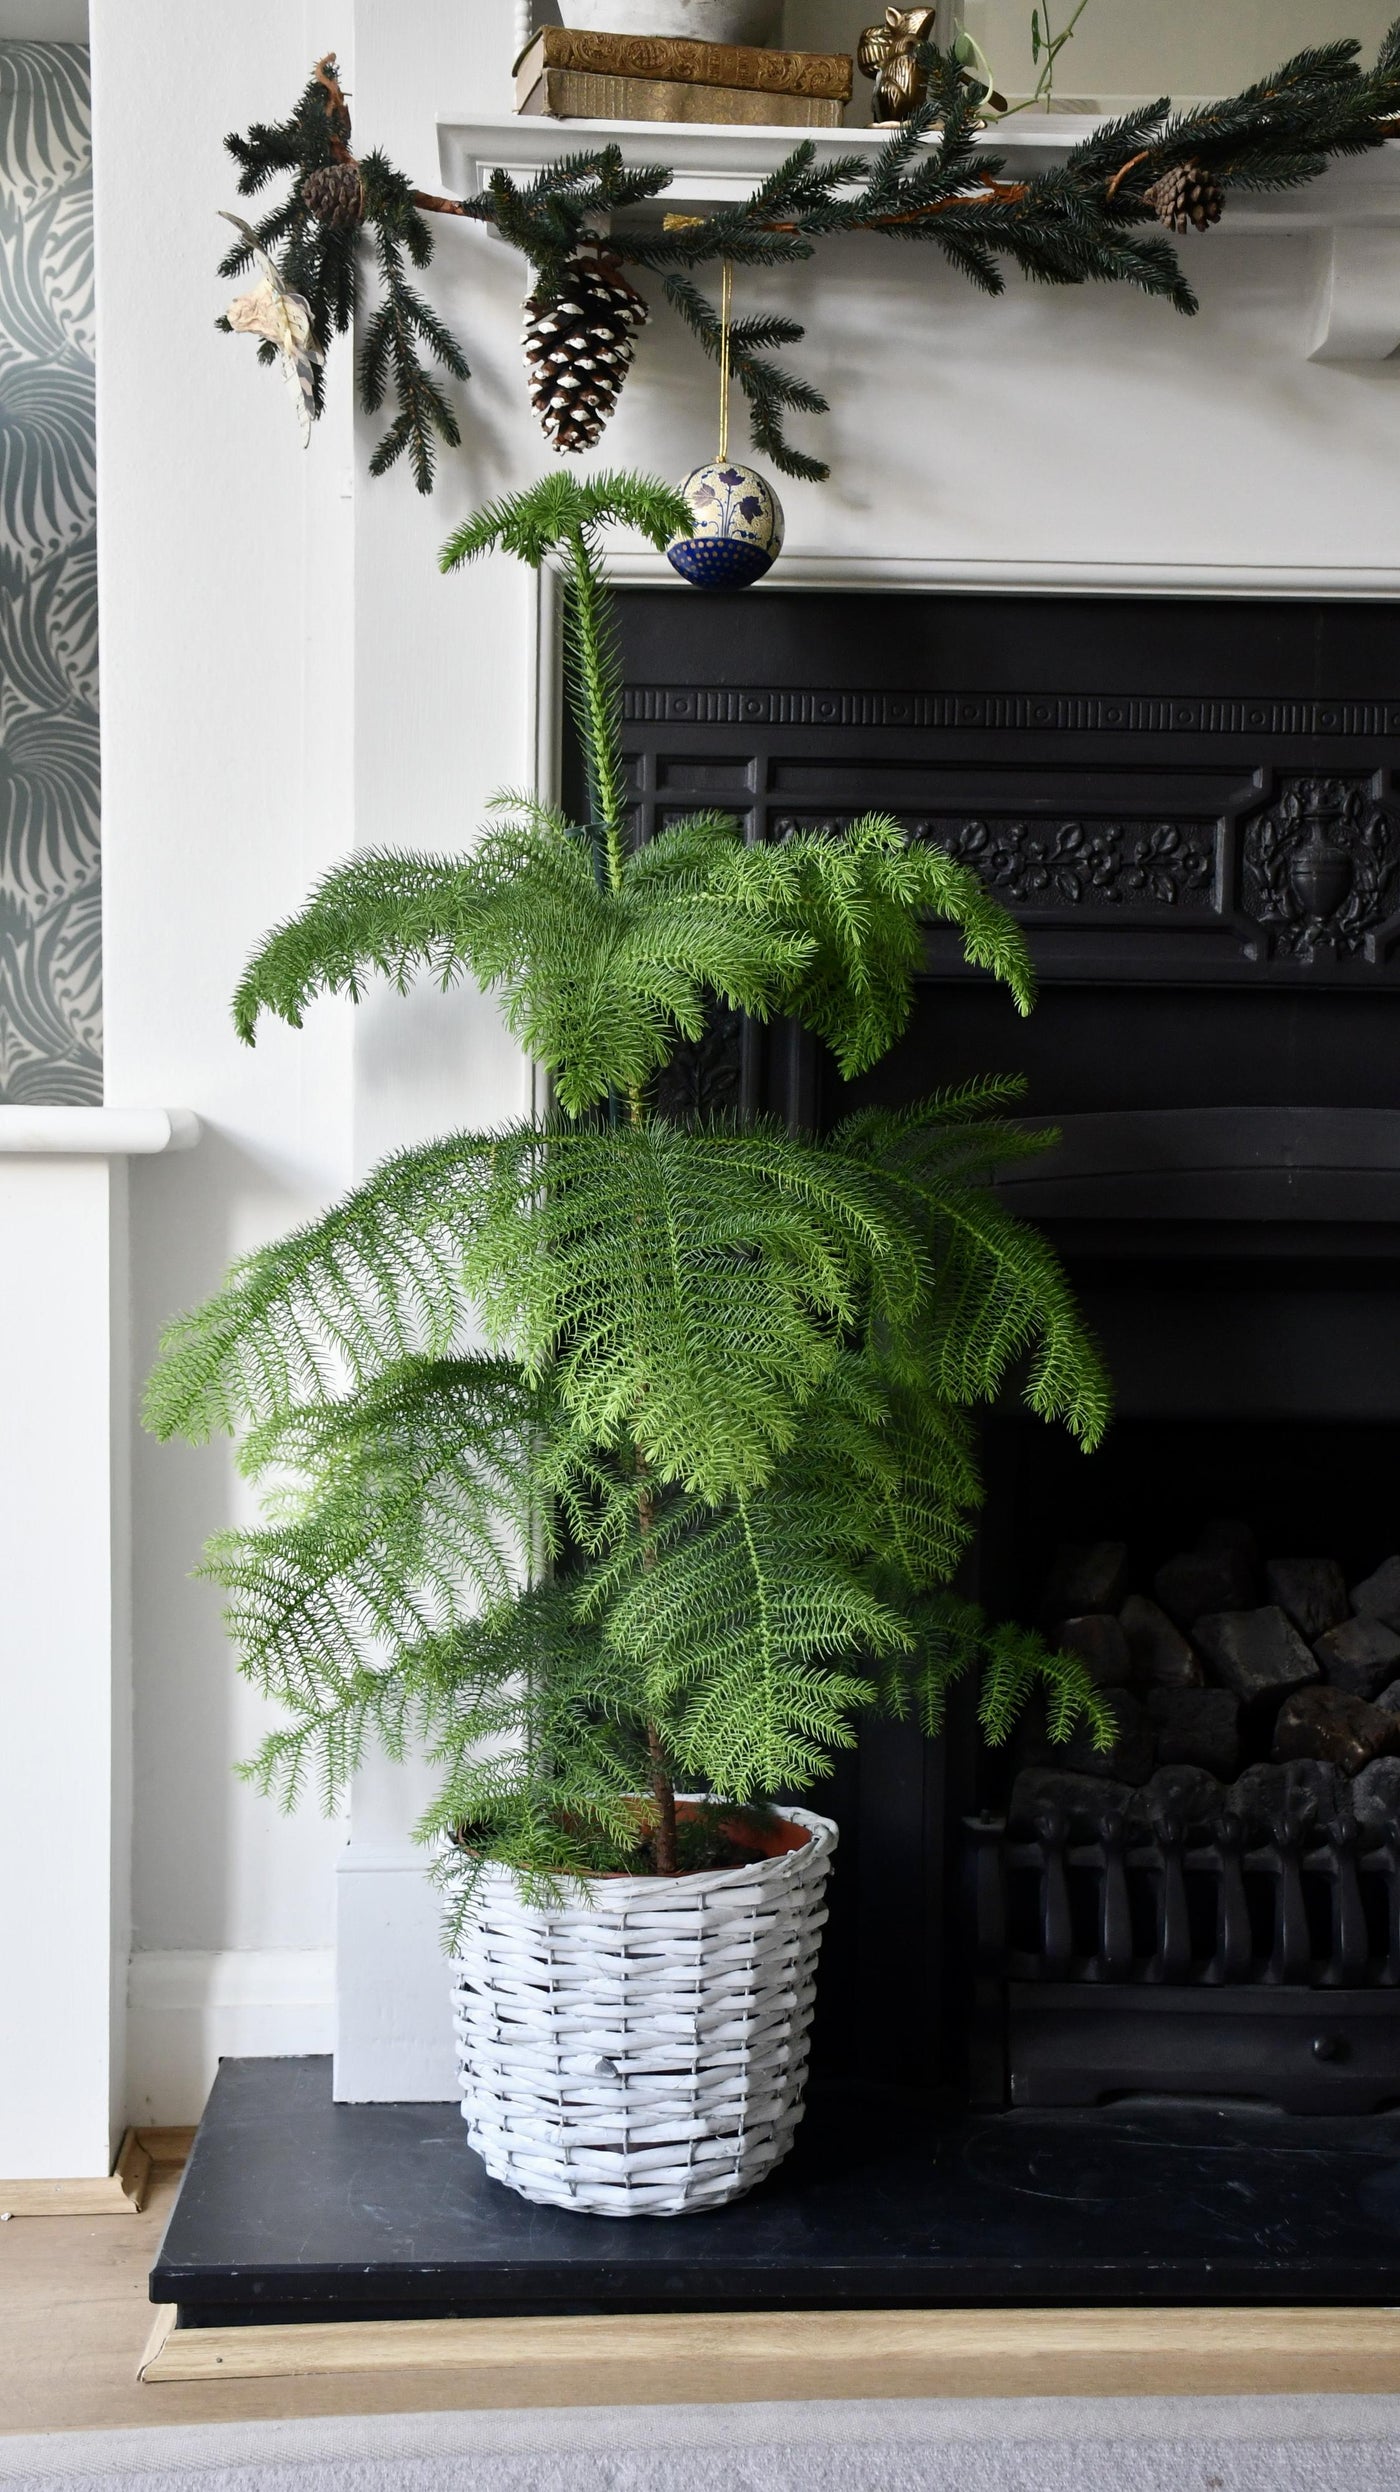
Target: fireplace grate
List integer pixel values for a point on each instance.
(1168, 1908)
(1303, 1928)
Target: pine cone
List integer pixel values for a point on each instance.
(334, 193)
(579, 345)
(1186, 194)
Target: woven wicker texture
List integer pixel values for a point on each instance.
(642, 2051)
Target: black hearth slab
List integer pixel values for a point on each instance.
(297, 2208)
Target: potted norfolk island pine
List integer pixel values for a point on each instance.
(623, 1462)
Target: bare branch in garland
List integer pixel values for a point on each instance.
(314, 237)
(934, 180)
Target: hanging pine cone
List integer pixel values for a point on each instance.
(1186, 194)
(579, 345)
(334, 193)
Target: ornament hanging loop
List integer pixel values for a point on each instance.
(726, 297)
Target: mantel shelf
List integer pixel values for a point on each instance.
(94, 1133)
(1354, 206)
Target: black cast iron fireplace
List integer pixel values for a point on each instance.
(1191, 807)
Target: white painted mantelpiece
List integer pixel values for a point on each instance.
(1354, 208)
(65, 1635)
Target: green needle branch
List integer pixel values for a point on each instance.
(620, 1446)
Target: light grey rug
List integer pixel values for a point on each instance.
(1013, 2444)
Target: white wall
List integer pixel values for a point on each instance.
(443, 717)
(1137, 47)
(285, 673)
(248, 743)
(227, 729)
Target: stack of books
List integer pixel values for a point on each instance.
(574, 76)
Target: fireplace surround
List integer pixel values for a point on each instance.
(1190, 804)
(1226, 1197)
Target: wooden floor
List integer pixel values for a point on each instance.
(74, 2319)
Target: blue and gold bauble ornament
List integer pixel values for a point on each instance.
(737, 531)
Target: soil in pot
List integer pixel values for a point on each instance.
(710, 1834)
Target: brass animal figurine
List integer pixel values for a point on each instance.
(886, 54)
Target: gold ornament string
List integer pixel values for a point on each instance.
(674, 224)
(726, 289)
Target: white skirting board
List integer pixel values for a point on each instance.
(390, 2028)
(188, 2009)
(393, 2036)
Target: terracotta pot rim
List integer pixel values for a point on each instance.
(781, 1841)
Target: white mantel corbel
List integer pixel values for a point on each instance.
(1358, 303)
(65, 1662)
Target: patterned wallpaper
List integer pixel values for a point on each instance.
(50, 888)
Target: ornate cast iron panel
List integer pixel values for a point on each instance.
(1243, 830)
(1321, 868)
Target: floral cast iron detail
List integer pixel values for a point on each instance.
(1079, 864)
(1321, 867)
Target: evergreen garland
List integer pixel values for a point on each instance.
(715, 1375)
(1076, 222)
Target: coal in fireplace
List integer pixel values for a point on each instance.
(1214, 1904)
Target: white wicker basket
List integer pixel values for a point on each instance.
(642, 2051)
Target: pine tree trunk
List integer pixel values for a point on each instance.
(663, 1789)
(663, 1792)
